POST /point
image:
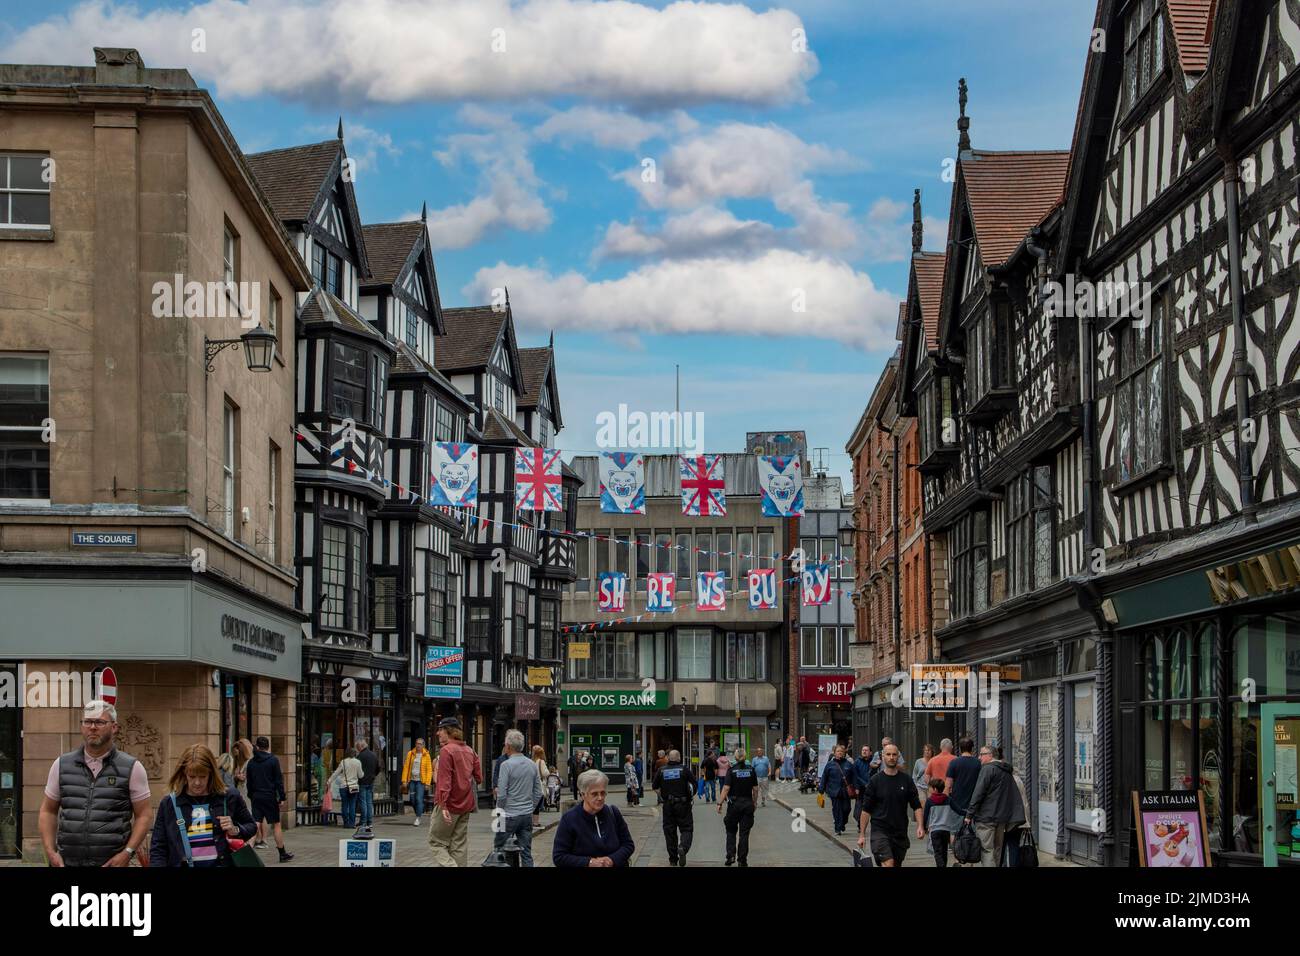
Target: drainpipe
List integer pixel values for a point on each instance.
(1245, 479)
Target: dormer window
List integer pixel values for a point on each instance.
(327, 269)
(990, 356)
(1144, 49)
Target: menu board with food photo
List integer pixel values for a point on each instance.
(1171, 827)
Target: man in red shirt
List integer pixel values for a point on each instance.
(937, 768)
(459, 771)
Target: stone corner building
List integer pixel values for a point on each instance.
(151, 528)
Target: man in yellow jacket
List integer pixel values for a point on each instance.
(417, 773)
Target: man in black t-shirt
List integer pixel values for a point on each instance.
(963, 771)
(738, 793)
(885, 802)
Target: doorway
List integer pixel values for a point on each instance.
(1280, 806)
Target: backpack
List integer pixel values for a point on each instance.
(967, 848)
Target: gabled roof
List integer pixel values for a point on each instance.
(292, 177)
(1008, 194)
(322, 306)
(498, 428)
(537, 366)
(409, 361)
(1192, 21)
(472, 335)
(389, 245)
(929, 267)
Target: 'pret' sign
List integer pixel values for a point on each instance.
(825, 688)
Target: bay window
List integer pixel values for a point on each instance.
(1030, 545)
(348, 383)
(342, 573)
(970, 562)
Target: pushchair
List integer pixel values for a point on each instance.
(808, 781)
(552, 791)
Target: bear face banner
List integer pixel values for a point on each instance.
(453, 474)
(762, 589)
(622, 483)
(781, 479)
(611, 590)
(661, 591)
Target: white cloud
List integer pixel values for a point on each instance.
(397, 51)
(888, 231)
(732, 160)
(730, 296)
(612, 129)
(363, 143)
(509, 186)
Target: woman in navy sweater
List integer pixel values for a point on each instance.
(592, 834)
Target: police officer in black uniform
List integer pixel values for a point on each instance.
(675, 785)
(738, 793)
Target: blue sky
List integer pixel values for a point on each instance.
(781, 174)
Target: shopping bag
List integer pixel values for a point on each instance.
(821, 800)
(1028, 848)
(327, 802)
(967, 848)
(243, 854)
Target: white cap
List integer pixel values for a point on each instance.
(100, 708)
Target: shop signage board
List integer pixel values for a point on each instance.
(1172, 830)
(528, 706)
(860, 655)
(825, 688)
(539, 676)
(359, 854)
(614, 699)
(444, 668)
(935, 688)
(580, 651)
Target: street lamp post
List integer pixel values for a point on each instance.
(259, 349)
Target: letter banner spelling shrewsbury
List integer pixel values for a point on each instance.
(612, 591)
(711, 591)
(762, 589)
(703, 486)
(537, 480)
(453, 476)
(781, 479)
(816, 584)
(622, 483)
(661, 589)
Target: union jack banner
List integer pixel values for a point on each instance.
(537, 480)
(453, 476)
(781, 479)
(622, 483)
(703, 486)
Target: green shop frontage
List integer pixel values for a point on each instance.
(1208, 692)
(612, 722)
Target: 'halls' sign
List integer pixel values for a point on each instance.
(825, 688)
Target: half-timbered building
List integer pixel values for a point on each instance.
(1184, 187)
(415, 572)
(352, 672)
(509, 664)
(993, 381)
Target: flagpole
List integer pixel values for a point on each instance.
(677, 410)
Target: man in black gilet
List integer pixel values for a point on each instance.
(96, 807)
(675, 785)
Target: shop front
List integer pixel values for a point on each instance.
(195, 662)
(826, 705)
(1209, 676)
